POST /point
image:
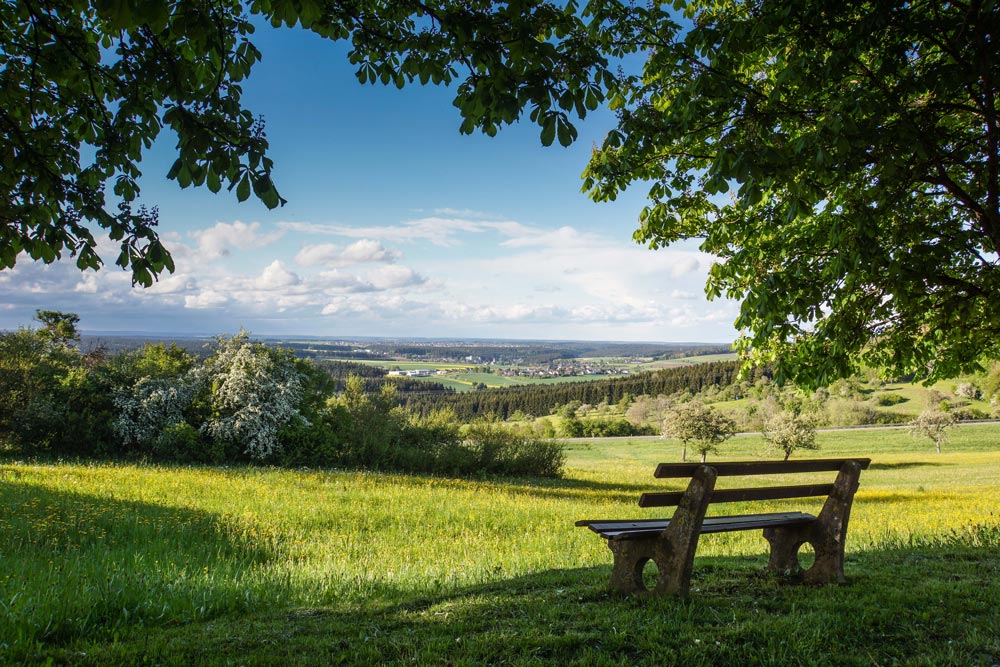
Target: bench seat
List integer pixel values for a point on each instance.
(643, 528)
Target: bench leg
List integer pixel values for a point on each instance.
(826, 535)
(830, 529)
(631, 557)
(672, 550)
(785, 544)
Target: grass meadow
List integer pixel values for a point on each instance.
(107, 564)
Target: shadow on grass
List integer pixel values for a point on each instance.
(77, 565)
(904, 465)
(915, 605)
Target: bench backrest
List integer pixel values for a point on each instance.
(732, 468)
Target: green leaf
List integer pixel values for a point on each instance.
(243, 189)
(213, 180)
(548, 131)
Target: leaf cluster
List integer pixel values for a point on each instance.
(840, 160)
(86, 87)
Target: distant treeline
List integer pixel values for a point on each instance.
(542, 400)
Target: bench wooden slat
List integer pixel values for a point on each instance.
(623, 530)
(673, 498)
(731, 468)
(619, 522)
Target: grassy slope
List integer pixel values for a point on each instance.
(125, 564)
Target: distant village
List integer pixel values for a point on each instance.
(557, 368)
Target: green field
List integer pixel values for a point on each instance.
(465, 381)
(109, 564)
(686, 361)
(409, 365)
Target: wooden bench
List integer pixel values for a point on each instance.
(671, 543)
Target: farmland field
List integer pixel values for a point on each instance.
(128, 564)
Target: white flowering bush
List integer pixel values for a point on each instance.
(153, 405)
(968, 390)
(254, 393)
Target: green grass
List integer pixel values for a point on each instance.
(390, 364)
(465, 381)
(131, 564)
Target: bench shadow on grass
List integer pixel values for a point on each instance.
(900, 601)
(904, 465)
(80, 565)
(571, 489)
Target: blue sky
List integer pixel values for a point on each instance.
(396, 225)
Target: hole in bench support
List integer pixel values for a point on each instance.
(806, 556)
(650, 574)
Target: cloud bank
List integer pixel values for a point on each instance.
(453, 273)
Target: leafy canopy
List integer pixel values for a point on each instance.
(839, 158)
(842, 160)
(86, 87)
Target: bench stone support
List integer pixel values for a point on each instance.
(672, 550)
(826, 535)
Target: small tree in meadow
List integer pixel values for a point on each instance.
(933, 424)
(702, 426)
(786, 432)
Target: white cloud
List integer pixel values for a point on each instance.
(465, 213)
(684, 265)
(329, 254)
(393, 276)
(276, 276)
(344, 306)
(367, 250)
(336, 280)
(206, 299)
(440, 231)
(320, 253)
(217, 241)
(173, 284)
(564, 237)
(87, 284)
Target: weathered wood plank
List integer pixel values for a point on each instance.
(672, 498)
(731, 468)
(624, 530)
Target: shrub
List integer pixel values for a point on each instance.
(147, 409)
(181, 442)
(571, 427)
(966, 414)
(498, 450)
(47, 398)
(889, 398)
(368, 427)
(851, 412)
(310, 444)
(255, 392)
(968, 390)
